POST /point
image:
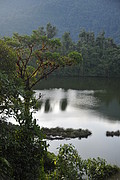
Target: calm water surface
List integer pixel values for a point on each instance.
(87, 103)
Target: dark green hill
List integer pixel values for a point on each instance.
(67, 15)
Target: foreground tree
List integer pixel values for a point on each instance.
(8, 91)
(7, 59)
(7, 69)
(36, 58)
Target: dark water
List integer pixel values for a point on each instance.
(88, 103)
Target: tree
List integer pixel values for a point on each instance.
(36, 58)
(51, 31)
(100, 55)
(7, 77)
(67, 43)
(7, 93)
(7, 59)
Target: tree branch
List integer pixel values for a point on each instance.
(44, 75)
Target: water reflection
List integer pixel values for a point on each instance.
(63, 104)
(47, 106)
(108, 106)
(106, 93)
(88, 104)
(97, 100)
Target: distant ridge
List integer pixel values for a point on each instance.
(67, 15)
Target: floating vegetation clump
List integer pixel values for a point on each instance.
(113, 133)
(61, 133)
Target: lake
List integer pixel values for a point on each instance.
(88, 103)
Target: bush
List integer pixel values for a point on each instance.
(24, 149)
(70, 166)
(99, 169)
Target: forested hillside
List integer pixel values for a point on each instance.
(101, 55)
(67, 15)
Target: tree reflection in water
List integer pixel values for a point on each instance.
(103, 102)
(48, 106)
(63, 104)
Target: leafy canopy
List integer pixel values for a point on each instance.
(37, 55)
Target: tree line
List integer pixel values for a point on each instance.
(101, 55)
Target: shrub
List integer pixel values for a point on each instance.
(70, 166)
(99, 169)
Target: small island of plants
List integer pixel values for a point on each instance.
(113, 133)
(61, 133)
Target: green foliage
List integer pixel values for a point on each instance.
(76, 56)
(69, 165)
(10, 86)
(99, 169)
(101, 56)
(27, 147)
(25, 150)
(5, 169)
(67, 43)
(7, 58)
(9, 92)
(49, 162)
(50, 31)
(35, 58)
(36, 55)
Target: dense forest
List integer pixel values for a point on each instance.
(101, 55)
(67, 15)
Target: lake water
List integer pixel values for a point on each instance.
(88, 103)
